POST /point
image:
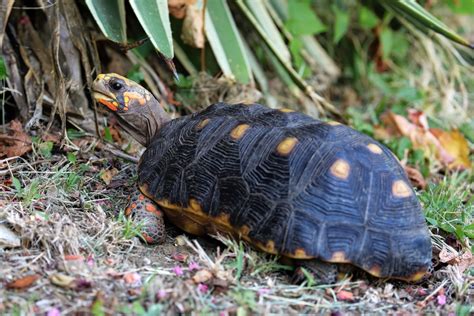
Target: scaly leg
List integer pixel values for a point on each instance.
(145, 212)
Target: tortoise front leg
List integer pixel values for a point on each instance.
(148, 216)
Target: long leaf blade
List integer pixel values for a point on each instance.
(226, 42)
(110, 16)
(413, 11)
(154, 18)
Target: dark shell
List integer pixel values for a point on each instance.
(332, 193)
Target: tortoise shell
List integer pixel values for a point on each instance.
(289, 185)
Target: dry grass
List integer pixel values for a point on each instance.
(87, 258)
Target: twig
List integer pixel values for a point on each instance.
(120, 153)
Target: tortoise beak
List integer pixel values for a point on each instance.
(101, 94)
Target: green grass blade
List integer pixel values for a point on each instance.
(110, 16)
(226, 42)
(414, 12)
(154, 18)
(264, 18)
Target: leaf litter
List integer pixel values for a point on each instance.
(79, 254)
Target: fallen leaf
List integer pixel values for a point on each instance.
(132, 279)
(446, 255)
(344, 295)
(8, 239)
(202, 276)
(63, 280)
(23, 282)
(107, 175)
(456, 145)
(450, 148)
(416, 178)
(16, 142)
(192, 32)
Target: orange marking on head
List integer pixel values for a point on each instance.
(340, 169)
(111, 105)
(135, 96)
(401, 189)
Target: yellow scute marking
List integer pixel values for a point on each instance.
(285, 110)
(334, 123)
(401, 189)
(239, 131)
(338, 256)
(202, 123)
(340, 169)
(285, 147)
(375, 271)
(374, 148)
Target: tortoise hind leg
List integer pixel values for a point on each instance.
(322, 272)
(144, 212)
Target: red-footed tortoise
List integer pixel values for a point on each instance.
(284, 182)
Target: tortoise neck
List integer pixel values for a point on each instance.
(144, 124)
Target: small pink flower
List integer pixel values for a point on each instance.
(161, 294)
(53, 312)
(263, 291)
(203, 288)
(441, 299)
(90, 261)
(193, 266)
(178, 270)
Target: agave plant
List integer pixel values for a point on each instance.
(287, 29)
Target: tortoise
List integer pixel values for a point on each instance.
(318, 192)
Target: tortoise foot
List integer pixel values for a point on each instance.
(149, 218)
(322, 272)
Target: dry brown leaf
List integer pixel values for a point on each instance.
(456, 145)
(177, 8)
(192, 32)
(23, 282)
(16, 142)
(447, 255)
(132, 278)
(107, 175)
(416, 178)
(8, 238)
(202, 276)
(450, 148)
(63, 280)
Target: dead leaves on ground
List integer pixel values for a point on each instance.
(450, 148)
(16, 142)
(23, 282)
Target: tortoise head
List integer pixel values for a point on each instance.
(137, 110)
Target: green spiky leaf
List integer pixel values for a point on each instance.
(154, 18)
(110, 16)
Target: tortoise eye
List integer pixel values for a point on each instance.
(116, 85)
